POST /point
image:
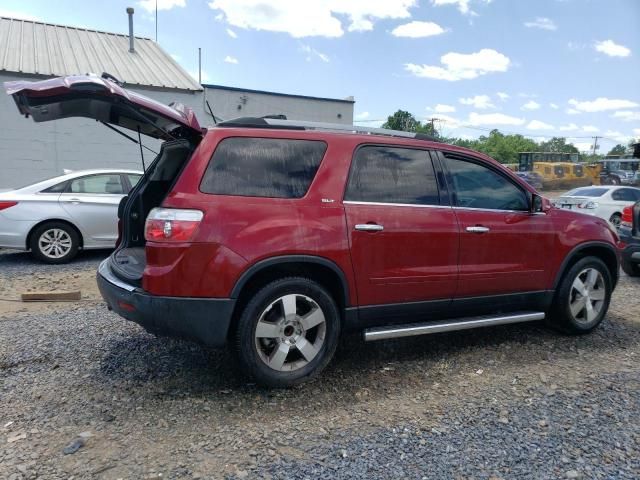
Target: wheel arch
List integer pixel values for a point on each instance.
(602, 250)
(322, 270)
(50, 220)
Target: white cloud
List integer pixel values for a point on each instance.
(568, 128)
(530, 105)
(150, 5)
(230, 59)
(492, 119)
(627, 115)
(459, 66)
(636, 131)
(447, 121)
(310, 17)
(542, 23)
(361, 116)
(312, 52)
(590, 129)
(417, 29)
(479, 101)
(583, 146)
(538, 125)
(442, 108)
(503, 96)
(601, 104)
(609, 47)
(463, 5)
(554, 106)
(573, 111)
(19, 15)
(231, 33)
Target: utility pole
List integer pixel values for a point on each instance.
(433, 128)
(156, 21)
(595, 144)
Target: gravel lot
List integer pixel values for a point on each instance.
(518, 401)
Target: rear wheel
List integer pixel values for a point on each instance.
(583, 298)
(615, 220)
(288, 332)
(631, 269)
(54, 242)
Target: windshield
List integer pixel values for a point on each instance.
(586, 192)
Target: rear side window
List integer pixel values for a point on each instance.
(477, 186)
(626, 195)
(263, 167)
(392, 175)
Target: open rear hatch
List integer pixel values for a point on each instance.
(105, 100)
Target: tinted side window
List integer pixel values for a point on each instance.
(263, 167)
(625, 195)
(133, 178)
(58, 188)
(476, 186)
(392, 175)
(97, 184)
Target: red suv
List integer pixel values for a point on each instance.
(280, 236)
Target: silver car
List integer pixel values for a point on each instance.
(57, 217)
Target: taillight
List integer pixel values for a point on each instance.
(627, 216)
(5, 205)
(171, 225)
(588, 205)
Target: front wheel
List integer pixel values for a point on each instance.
(288, 332)
(615, 220)
(582, 300)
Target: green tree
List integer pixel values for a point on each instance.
(558, 145)
(401, 120)
(618, 150)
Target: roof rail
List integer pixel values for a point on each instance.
(270, 122)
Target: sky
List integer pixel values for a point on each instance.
(541, 68)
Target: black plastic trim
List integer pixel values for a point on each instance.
(284, 259)
(576, 250)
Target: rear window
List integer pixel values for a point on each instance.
(263, 167)
(586, 192)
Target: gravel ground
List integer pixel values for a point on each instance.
(505, 402)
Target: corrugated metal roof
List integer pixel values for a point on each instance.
(55, 50)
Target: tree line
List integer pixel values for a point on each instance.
(502, 147)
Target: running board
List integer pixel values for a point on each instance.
(382, 333)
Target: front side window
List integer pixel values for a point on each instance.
(392, 175)
(133, 178)
(263, 167)
(97, 184)
(476, 186)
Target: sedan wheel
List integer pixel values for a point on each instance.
(615, 220)
(54, 242)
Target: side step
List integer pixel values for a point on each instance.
(382, 333)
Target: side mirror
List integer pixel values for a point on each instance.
(540, 204)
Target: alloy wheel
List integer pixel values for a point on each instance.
(55, 243)
(587, 295)
(290, 332)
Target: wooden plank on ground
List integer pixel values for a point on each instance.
(51, 296)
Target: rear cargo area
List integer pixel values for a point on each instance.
(128, 261)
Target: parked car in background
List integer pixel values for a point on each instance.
(57, 217)
(601, 201)
(531, 178)
(280, 236)
(629, 233)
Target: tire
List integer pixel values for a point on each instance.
(631, 269)
(615, 181)
(575, 322)
(268, 343)
(615, 220)
(54, 242)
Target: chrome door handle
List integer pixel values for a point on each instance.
(478, 229)
(74, 200)
(369, 227)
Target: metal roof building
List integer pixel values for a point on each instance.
(36, 48)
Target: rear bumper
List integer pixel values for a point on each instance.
(203, 320)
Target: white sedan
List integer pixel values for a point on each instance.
(601, 201)
(56, 217)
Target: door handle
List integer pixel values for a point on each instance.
(478, 229)
(74, 200)
(369, 227)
